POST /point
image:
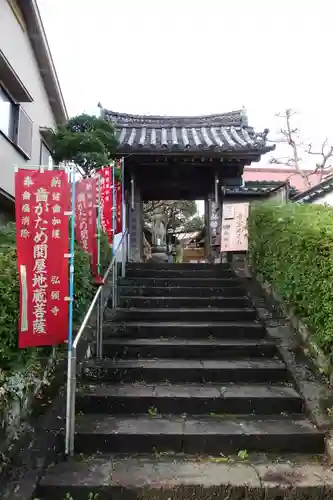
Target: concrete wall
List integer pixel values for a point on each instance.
(15, 44)
(326, 198)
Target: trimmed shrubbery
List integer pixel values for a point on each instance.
(292, 247)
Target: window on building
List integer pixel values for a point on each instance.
(15, 124)
(8, 113)
(24, 132)
(45, 156)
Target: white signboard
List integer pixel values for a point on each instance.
(234, 234)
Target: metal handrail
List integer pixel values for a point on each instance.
(97, 301)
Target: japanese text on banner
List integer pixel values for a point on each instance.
(106, 201)
(42, 198)
(119, 200)
(86, 225)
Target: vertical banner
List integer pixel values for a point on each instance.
(119, 197)
(106, 201)
(86, 224)
(41, 202)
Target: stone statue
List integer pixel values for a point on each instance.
(158, 223)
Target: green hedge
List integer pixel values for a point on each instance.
(11, 358)
(292, 247)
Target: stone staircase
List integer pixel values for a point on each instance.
(191, 395)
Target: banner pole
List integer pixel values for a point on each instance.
(99, 226)
(114, 202)
(123, 218)
(123, 215)
(71, 367)
(99, 316)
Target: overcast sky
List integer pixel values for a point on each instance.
(196, 56)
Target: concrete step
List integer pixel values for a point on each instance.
(187, 302)
(180, 273)
(176, 291)
(181, 282)
(159, 315)
(185, 330)
(176, 266)
(206, 435)
(160, 477)
(185, 348)
(192, 399)
(183, 370)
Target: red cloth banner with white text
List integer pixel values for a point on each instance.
(106, 201)
(85, 219)
(41, 200)
(119, 200)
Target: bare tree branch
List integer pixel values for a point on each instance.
(289, 136)
(326, 153)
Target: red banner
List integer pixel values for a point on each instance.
(106, 201)
(42, 244)
(119, 193)
(86, 224)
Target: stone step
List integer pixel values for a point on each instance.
(185, 348)
(206, 435)
(173, 265)
(181, 282)
(176, 291)
(180, 273)
(192, 399)
(160, 477)
(185, 330)
(187, 302)
(183, 370)
(159, 315)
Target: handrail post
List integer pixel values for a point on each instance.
(113, 289)
(71, 390)
(98, 329)
(98, 301)
(123, 257)
(100, 314)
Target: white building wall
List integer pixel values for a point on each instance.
(326, 198)
(15, 44)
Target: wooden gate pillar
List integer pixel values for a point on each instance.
(213, 221)
(135, 222)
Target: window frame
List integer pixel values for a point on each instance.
(16, 110)
(44, 145)
(14, 113)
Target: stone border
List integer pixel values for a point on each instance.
(310, 348)
(293, 341)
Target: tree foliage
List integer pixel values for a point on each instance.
(85, 140)
(181, 214)
(194, 224)
(292, 247)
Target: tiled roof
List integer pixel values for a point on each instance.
(315, 192)
(255, 188)
(220, 133)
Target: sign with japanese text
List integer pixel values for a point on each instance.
(119, 200)
(85, 219)
(41, 200)
(234, 236)
(106, 201)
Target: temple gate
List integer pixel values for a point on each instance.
(184, 158)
